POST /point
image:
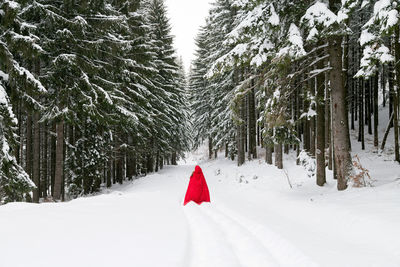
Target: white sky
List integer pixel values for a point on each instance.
(186, 16)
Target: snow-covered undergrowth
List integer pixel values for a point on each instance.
(255, 219)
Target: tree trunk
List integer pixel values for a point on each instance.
(320, 151)
(351, 85)
(241, 135)
(28, 151)
(391, 87)
(210, 146)
(119, 166)
(109, 171)
(53, 144)
(58, 179)
(36, 157)
(297, 102)
(328, 143)
(129, 170)
(134, 164)
(312, 121)
(150, 162)
(383, 84)
(252, 125)
(376, 139)
(268, 154)
(157, 160)
(19, 148)
(278, 156)
(173, 158)
(396, 95)
(286, 149)
(306, 123)
(387, 132)
(368, 105)
(161, 163)
(361, 114)
(340, 128)
(45, 161)
(114, 167)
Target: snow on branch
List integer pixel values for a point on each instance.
(295, 47)
(383, 20)
(321, 21)
(21, 71)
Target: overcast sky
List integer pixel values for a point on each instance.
(186, 16)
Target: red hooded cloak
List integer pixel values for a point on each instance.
(197, 190)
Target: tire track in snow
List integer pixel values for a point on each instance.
(283, 251)
(189, 246)
(247, 247)
(208, 243)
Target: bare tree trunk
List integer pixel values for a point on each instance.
(129, 170)
(173, 158)
(328, 143)
(134, 164)
(19, 147)
(53, 140)
(210, 146)
(340, 127)
(36, 157)
(376, 139)
(320, 151)
(268, 154)
(45, 164)
(278, 156)
(252, 152)
(119, 166)
(150, 162)
(383, 84)
(351, 85)
(368, 105)
(387, 132)
(241, 136)
(28, 151)
(246, 124)
(157, 159)
(312, 120)
(396, 95)
(286, 149)
(306, 123)
(297, 101)
(58, 179)
(258, 130)
(161, 163)
(361, 114)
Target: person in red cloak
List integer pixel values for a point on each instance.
(197, 190)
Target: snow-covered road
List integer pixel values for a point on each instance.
(258, 222)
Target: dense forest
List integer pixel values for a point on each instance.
(92, 92)
(297, 75)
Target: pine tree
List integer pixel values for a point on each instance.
(15, 184)
(18, 49)
(383, 23)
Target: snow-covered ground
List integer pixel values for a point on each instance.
(254, 219)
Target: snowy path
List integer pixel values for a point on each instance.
(144, 224)
(218, 240)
